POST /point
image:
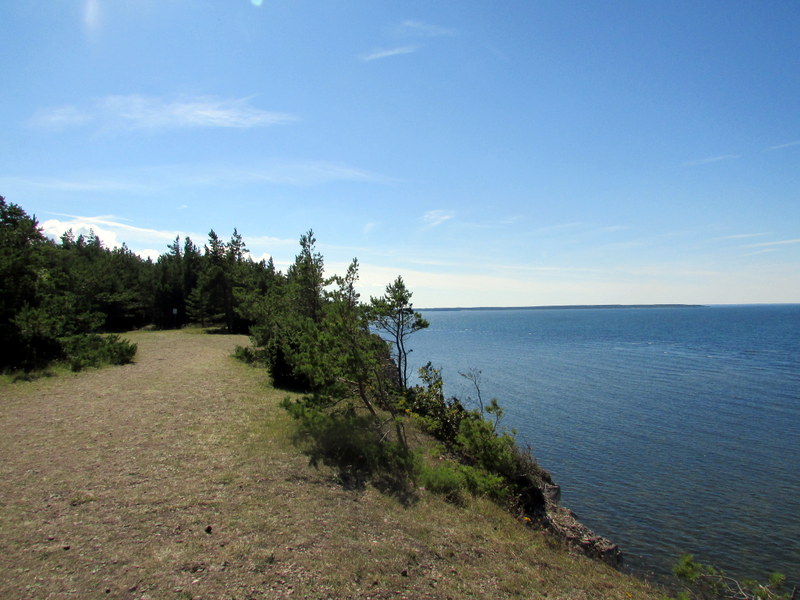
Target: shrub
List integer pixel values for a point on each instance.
(453, 480)
(706, 582)
(250, 355)
(355, 444)
(439, 416)
(93, 350)
(444, 479)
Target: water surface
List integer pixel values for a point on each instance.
(670, 430)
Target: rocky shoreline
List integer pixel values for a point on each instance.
(545, 510)
(565, 524)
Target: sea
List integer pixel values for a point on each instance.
(671, 430)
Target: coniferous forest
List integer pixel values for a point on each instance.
(57, 296)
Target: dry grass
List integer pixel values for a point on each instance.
(175, 477)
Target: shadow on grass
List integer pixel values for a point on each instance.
(358, 449)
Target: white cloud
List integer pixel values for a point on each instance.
(386, 53)
(265, 256)
(764, 251)
(419, 29)
(778, 243)
(146, 253)
(113, 233)
(299, 173)
(433, 218)
(741, 236)
(782, 146)
(88, 184)
(59, 118)
(407, 29)
(267, 240)
(154, 179)
(142, 112)
(712, 159)
(138, 112)
(91, 14)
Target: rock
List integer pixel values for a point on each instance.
(565, 524)
(552, 493)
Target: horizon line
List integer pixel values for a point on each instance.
(600, 306)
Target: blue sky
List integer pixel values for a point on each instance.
(503, 154)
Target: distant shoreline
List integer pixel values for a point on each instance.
(567, 307)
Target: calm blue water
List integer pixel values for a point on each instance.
(670, 430)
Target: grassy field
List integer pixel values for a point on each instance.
(176, 477)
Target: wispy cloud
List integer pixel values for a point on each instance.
(142, 112)
(763, 251)
(91, 14)
(711, 159)
(410, 30)
(268, 240)
(580, 227)
(413, 28)
(386, 53)
(138, 112)
(434, 218)
(81, 184)
(298, 173)
(782, 146)
(741, 236)
(778, 243)
(155, 179)
(59, 118)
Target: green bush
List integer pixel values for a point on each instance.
(453, 480)
(444, 479)
(706, 582)
(94, 350)
(355, 444)
(438, 415)
(250, 355)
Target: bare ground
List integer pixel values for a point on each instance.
(175, 477)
